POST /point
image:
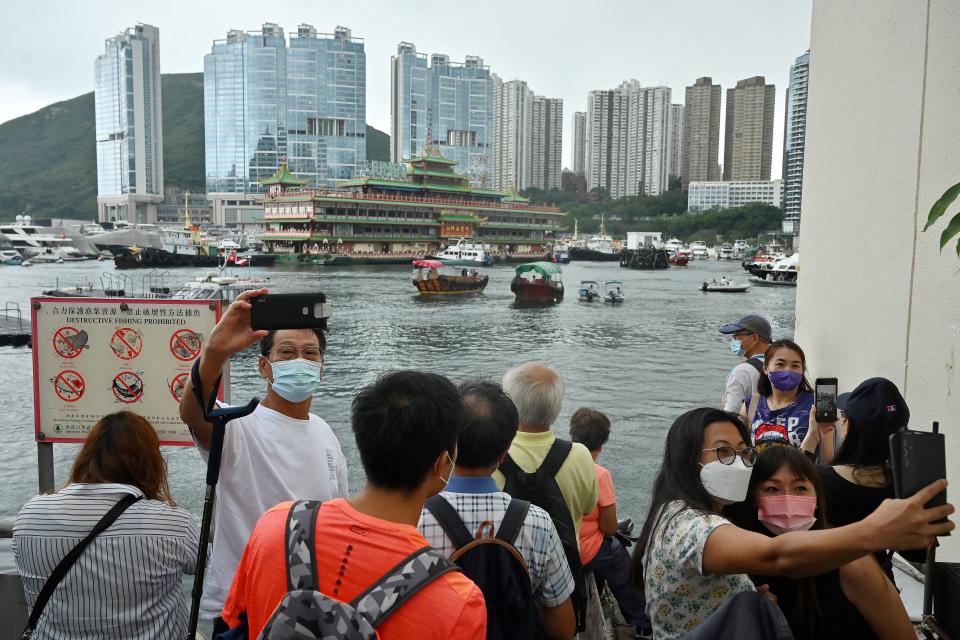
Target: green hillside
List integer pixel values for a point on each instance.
(48, 164)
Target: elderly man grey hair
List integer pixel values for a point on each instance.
(537, 390)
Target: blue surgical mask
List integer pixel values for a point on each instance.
(736, 346)
(295, 380)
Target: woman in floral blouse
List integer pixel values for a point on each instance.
(690, 558)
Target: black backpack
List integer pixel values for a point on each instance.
(495, 565)
(541, 489)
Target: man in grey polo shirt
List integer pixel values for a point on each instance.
(749, 338)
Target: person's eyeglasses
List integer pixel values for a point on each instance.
(727, 455)
(291, 353)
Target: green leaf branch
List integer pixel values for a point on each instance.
(936, 212)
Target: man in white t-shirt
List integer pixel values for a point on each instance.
(749, 338)
(279, 452)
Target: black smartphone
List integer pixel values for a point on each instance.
(826, 393)
(918, 458)
(290, 311)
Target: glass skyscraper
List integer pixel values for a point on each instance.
(129, 131)
(450, 102)
(793, 143)
(265, 101)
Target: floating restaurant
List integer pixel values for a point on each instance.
(398, 212)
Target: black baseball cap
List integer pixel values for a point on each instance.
(753, 324)
(877, 404)
(842, 401)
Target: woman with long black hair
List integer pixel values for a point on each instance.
(854, 602)
(690, 559)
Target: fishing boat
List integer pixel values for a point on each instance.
(560, 254)
(464, 254)
(429, 279)
(723, 286)
(589, 290)
(613, 292)
(597, 248)
(538, 281)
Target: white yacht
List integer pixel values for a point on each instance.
(39, 244)
(726, 252)
(673, 245)
(739, 249)
(699, 250)
(218, 287)
(464, 254)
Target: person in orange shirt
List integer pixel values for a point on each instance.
(601, 552)
(406, 427)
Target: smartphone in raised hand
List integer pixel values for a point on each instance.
(826, 400)
(275, 311)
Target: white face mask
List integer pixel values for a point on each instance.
(727, 483)
(446, 480)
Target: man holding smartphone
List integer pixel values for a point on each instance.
(749, 338)
(279, 452)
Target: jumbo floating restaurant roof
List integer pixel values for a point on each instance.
(283, 177)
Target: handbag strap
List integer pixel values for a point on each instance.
(68, 560)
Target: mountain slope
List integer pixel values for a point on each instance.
(48, 163)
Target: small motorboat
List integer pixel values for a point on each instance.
(10, 257)
(589, 291)
(538, 282)
(723, 286)
(429, 279)
(678, 259)
(613, 292)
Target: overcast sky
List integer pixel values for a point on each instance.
(561, 48)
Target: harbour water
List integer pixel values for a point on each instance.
(643, 362)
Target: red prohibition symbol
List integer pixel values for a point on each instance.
(185, 344)
(127, 343)
(177, 385)
(69, 385)
(127, 387)
(69, 342)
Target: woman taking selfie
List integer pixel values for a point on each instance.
(690, 559)
(126, 581)
(856, 601)
(782, 412)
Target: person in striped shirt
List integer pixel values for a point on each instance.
(127, 582)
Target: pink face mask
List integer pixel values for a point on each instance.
(785, 513)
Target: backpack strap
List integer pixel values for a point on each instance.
(513, 520)
(756, 364)
(301, 546)
(510, 468)
(752, 409)
(555, 457)
(401, 583)
(449, 520)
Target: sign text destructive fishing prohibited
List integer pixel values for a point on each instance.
(96, 356)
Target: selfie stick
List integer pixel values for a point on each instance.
(219, 419)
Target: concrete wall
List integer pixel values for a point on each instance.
(876, 297)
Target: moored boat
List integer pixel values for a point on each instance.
(538, 281)
(464, 254)
(428, 279)
(698, 249)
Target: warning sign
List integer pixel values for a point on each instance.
(108, 354)
(177, 385)
(127, 343)
(69, 385)
(69, 342)
(185, 344)
(127, 387)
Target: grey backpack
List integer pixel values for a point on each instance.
(305, 613)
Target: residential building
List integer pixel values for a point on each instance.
(676, 140)
(748, 144)
(579, 142)
(448, 103)
(547, 147)
(129, 126)
(512, 126)
(267, 100)
(702, 196)
(701, 132)
(793, 143)
(628, 140)
(573, 182)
